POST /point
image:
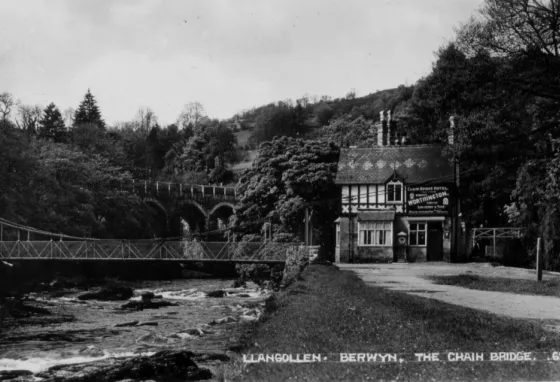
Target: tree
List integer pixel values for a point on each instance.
(209, 149)
(17, 169)
(275, 120)
(288, 176)
(52, 125)
(28, 118)
(192, 114)
(492, 122)
(88, 112)
(346, 131)
(527, 33)
(146, 119)
(7, 103)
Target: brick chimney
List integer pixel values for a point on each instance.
(380, 128)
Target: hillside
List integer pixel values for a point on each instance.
(306, 119)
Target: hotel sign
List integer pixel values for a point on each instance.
(428, 200)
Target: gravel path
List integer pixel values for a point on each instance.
(410, 278)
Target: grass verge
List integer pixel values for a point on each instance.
(549, 287)
(332, 311)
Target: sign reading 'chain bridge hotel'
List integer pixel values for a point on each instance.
(428, 200)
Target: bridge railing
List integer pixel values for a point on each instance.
(145, 250)
(194, 191)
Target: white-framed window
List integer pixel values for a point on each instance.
(375, 233)
(394, 192)
(337, 236)
(417, 234)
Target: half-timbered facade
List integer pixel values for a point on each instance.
(396, 204)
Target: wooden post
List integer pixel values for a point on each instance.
(494, 241)
(539, 260)
(27, 235)
(306, 226)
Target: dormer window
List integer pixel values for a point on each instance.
(394, 192)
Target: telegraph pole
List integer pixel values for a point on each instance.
(350, 227)
(456, 177)
(306, 226)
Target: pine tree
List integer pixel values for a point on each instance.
(88, 112)
(52, 125)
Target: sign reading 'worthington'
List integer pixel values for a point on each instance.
(428, 200)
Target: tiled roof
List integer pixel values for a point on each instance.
(413, 164)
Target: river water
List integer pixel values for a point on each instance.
(81, 331)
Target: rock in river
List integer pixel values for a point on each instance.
(109, 294)
(149, 323)
(147, 304)
(147, 296)
(6, 375)
(128, 323)
(164, 365)
(216, 293)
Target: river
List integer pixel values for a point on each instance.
(79, 331)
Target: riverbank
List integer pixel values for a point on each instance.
(195, 325)
(329, 312)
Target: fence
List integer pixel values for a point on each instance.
(145, 250)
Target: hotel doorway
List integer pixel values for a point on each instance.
(435, 241)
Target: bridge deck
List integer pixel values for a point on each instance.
(184, 251)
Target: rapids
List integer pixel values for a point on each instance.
(85, 331)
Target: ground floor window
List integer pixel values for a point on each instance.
(374, 233)
(417, 234)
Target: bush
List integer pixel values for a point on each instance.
(296, 260)
(257, 273)
(261, 274)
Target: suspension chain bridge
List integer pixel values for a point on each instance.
(64, 247)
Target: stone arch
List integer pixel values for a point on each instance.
(218, 219)
(158, 229)
(220, 205)
(193, 214)
(185, 203)
(157, 203)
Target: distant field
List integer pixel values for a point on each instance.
(246, 164)
(242, 137)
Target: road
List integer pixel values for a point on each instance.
(412, 279)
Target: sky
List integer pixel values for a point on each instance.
(228, 55)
